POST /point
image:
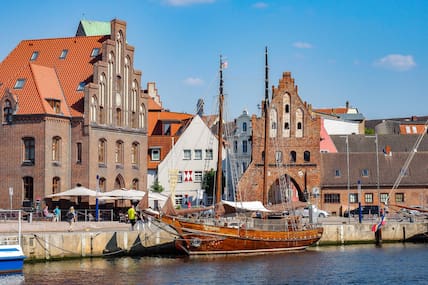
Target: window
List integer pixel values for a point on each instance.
(94, 107)
(187, 154)
(365, 173)
(7, 112)
(63, 54)
(81, 86)
(332, 198)
(235, 146)
(135, 184)
(307, 156)
(337, 173)
(299, 125)
(28, 188)
(287, 108)
(178, 199)
(29, 150)
(19, 83)
(384, 197)
(198, 176)
(55, 105)
(34, 56)
(399, 197)
(198, 154)
(353, 198)
(79, 152)
(292, 156)
(368, 197)
(286, 126)
(95, 52)
(102, 151)
(102, 184)
(119, 152)
(56, 185)
(180, 177)
(209, 154)
(166, 129)
(119, 117)
(244, 126)
(56, 148)
(244, 167)
(155, 154)
(134, 153)
(244, 146)
(278, 156)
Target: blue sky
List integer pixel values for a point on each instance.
(372, 53)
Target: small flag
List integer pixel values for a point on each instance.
(224, 64)
(377, 227)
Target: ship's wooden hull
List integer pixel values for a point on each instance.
(201, 239)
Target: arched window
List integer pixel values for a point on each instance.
(118, 117)
(286, 116)
(244, 127)
(56, 148)
(135, 153)
(94, 107)
(119, 152)
(235, 146)
(56, 185)
(135, 184)
(273, 123)
(119, 49)
(102, 184)
(102, 99)
(102, 145)
(119, 182)
(307, 156)
(292, 156)
(244, 146)
(299, 123)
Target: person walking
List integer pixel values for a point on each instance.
(57, 214)
(131, 216)
(71, 218)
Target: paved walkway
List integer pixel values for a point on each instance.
(47, 226)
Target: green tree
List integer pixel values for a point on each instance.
(208, 182)
(157, 187)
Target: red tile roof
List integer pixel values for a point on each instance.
(332, 111)
(64, 74)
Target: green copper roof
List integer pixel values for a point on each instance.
(93, 28)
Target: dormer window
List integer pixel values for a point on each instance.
(55, 105)
(34, 56)
(63, 54)
(95, 52)
(81, 86)
(19, 83)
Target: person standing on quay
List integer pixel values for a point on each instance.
(71, 218)
(131, 216)
(57, 214)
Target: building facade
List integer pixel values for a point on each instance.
(293, 149)
(73, 113)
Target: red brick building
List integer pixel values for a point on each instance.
(293, 149)
(72, 110)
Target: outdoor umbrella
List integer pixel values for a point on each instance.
(77, 191)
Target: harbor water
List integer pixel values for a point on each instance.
(357, 264)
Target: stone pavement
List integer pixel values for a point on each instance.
(48, 226)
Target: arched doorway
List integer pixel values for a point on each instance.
(285, 189)
(119, 182)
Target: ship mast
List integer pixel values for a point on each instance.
(266, 115)
(219, 184)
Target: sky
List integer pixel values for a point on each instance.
(372, 53)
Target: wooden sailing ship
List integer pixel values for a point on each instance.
(244, 234)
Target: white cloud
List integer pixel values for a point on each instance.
(187, 2)
(302, 45)
(397, 62)
(193, 81)
(260, 5)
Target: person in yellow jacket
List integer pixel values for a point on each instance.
(131, 216)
